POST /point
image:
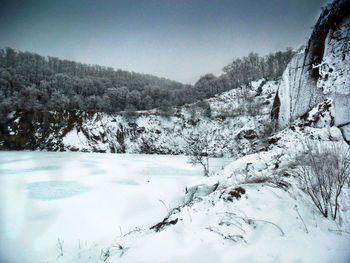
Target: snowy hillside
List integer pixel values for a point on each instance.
(234, 121)
(267, 205)
(253, 211)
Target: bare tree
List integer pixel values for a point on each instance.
(36, 83)
(198, 147)
(323, 170)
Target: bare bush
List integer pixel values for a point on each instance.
(106, 254)
(323, 169)
(198, 146)
(268, 128)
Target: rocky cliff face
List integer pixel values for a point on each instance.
(232, 131)
(321, 71)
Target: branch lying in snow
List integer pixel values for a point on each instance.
(268, 222)
(106, 254)
(250, 221)
(232, 224)
(160, 226)
(166, 207)
(234, 238)
(296, 208)
(189, 214)
(59, 247)
(135, 230)
(339, 231)
(234, 216)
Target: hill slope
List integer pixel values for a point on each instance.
(258, 209)
(148, 131)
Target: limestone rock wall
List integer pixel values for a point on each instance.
(321, 70)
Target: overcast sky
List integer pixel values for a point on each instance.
(177, 39)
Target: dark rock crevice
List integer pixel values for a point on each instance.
(332, 16)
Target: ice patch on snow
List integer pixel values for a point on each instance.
(29, 170)
(126, 182)
(52, 190)
(169, 171)
(98, 171)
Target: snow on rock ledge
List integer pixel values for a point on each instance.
(321, 71)
(146, 132)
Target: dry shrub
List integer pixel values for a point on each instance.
(323, 169)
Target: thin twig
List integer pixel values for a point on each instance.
(59, 247)
(338, 230)
(268, 222)
(189, 214)
(302, 220)
(166, 207)
(234, 238)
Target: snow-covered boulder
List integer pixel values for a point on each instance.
(199, 191)
(320, 71)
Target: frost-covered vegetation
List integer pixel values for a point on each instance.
(235, 121)
(32, 82)
(323, 170)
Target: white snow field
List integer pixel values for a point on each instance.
(84, 199)
(252, 211)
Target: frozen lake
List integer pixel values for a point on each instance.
(83, 198)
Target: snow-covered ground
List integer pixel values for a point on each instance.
(152, 208)
(252, 211)
(155, 208)
(84, 199)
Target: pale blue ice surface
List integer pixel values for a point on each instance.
(52, 190)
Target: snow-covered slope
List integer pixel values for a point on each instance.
(252, 211)
(321, 70)
(257, 209)
(148, 132)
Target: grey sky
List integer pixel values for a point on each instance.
(177, 39)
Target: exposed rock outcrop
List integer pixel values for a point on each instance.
(320, 71)
(145, 132)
